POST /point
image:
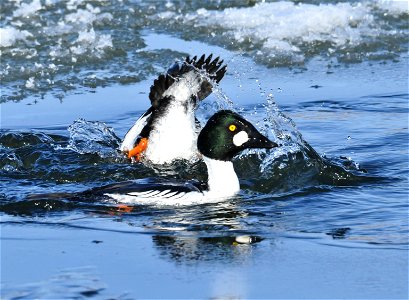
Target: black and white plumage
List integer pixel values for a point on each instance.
(152, 191)
(224, 136)
(169, 125)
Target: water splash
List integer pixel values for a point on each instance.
(93, 137)
(9, 161)
(295, 165)
(292, 166)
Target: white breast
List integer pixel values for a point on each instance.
(173, 136)
(222, 179)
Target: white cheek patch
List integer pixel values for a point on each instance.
(240, 138)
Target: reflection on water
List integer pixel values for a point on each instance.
(190, 249)
(343, 182)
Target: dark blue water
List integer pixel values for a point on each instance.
(323, 216)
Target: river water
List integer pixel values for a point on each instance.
(323, 216)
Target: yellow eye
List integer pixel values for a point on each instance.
(232, 127)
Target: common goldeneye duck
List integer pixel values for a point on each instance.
(224, 136)
(168, 129)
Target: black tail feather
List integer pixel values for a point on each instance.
(213, 69)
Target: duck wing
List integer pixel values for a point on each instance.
(186, 82)
(149, 191)
(135, 131)
(193, 74)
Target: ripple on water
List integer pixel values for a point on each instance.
(54, 170)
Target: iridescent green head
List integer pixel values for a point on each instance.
(227, 133)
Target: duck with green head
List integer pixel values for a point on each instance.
(225, 135)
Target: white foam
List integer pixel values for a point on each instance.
(10, 35)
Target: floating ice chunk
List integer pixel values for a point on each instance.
(104, 41)
(17, 23)
(394, 7)
(105, 17)
(90, 8)
(73, 4)
(30, 83)
(81, 16)
(166, 15)
(9, 36)
(58, 52)
(87, 16)
(286, 20)
(86, 36)
(27, 9)
(50, 2)
(77, 50)
(89, 40)
(52, 67)
(202, 11)
(58, 29)
(286, 27)
(281, 45)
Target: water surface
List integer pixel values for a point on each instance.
(326, 212)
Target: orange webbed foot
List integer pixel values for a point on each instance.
(120, 209)
(138, 149)
(124, 208)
